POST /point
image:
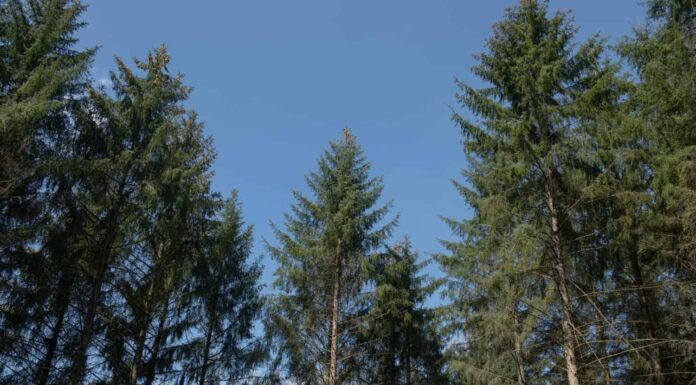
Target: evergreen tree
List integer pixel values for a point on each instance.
(41, 78)
(515, 280)
(321, 260)
(226, 303)
(658, 226)
(122, 142)
(401, 336)
(153, 276)
(39, 72)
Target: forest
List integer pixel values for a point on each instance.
(120, 264)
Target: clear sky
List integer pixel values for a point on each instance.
(275, 80)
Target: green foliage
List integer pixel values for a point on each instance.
(40, 72)
(120, 265)
(227, 303)
(401, 336)
(661, 225)
(326, 243)
(531, 165)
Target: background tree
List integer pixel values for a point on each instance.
(401, 336)
(658, 279)
(321, 261)
(226, 303)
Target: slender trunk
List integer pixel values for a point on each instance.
(208, 342)
(519, 358)
(76, 373)
(145, 318)
(105, 247)
(157, 343)
(61, 307)
(144, 324)
(647, 328)
(561, 281)
(519, 363)
(333, 338)
(137, 355)
(407, 360)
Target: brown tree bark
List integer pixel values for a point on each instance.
(333, 336)
(561, 279)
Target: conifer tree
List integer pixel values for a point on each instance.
(401, 336)
(659, 227)
(42, 75)
(122, 139)
(226, 303)
(40, 71)
(321, 260)
(514, 279)
(153, 275)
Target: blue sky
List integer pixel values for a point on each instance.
(274, 81)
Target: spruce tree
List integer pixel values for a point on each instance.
(321, 259)
(401, 338)
(122, 141)
(152, 277)
(226, 303)
(659, 228)
(42, 76)
(40, 71)
(515, 279)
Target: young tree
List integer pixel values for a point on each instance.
(226, 303)
(321, 261)
(401, 337)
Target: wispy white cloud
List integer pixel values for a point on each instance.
(105, 82)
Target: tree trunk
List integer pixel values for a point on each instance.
(145, 318)
(208, 342)
(157, 343)
(333, 337)
(142, 334)
(519, 358)
(567, 326)
(647, 314)
(61, 307)
(106, 249)
(76, 373)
